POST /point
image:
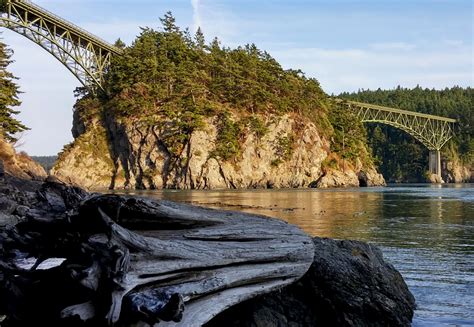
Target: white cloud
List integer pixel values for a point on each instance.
(197, 21)
(454, 43)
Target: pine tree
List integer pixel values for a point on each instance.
(120, 44)
(169, 23)
(200, 39)
(9, 91)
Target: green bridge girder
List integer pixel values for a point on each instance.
(432, 131)
(85, 55)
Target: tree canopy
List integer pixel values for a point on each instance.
(169, 74)
(171, 71)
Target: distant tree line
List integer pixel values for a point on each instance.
(47, 162)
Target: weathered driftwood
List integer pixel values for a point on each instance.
(184, 266)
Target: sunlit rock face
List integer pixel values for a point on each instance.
(19, 164)
(456, 171)
(125, 154)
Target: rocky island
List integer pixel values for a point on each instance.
(178, 113)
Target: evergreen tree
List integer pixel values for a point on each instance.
(120, 44)
(169, 23)
(200, 39)
(9, 90)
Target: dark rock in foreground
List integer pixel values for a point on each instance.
(349, 284)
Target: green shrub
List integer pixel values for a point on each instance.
(228, 138)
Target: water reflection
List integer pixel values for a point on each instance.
(427, 232)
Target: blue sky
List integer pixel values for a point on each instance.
(345, 44)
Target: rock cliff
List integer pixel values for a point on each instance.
(16, 169)
(19, 164)
(455, 171)
(176, 112)
(133, 154)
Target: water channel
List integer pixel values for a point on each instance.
(425, 231)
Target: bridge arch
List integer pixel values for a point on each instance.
(86, 56)
(432, 131)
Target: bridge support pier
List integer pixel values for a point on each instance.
(435, 163)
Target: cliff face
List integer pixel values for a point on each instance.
(19, 164)
(455, 171)
(16, 170)
(133, 154)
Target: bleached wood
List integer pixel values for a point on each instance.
(206, 260)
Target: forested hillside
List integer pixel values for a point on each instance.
(402, 158)
(171, 73)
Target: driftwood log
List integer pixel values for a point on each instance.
(180, 266)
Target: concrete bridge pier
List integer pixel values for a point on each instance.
(435, 163)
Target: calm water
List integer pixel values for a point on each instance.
(425, 231)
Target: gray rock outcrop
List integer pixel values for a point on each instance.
(457, 172)
(135, 155)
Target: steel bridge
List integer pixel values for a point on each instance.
(88, 58)
(432, 131)
(85, 55)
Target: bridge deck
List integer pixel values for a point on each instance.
(65, 25)
(398, 111)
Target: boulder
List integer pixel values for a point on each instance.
(435, 179)
(337, 178)
(349, 284)
(370, 177)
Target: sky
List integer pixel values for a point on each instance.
(345, 44)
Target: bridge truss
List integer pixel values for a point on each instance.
(432, 131)
(85, 55)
